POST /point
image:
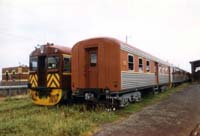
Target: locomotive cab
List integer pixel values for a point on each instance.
(49, 78)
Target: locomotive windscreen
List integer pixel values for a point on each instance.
(53, 62)
(33, 64)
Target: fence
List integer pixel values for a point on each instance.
(7, 91)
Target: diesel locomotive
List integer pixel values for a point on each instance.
(50, 74)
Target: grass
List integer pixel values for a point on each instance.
(19, 117)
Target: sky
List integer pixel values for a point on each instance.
(168, 29)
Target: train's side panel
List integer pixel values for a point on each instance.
(164, 74)
(136, 80)
(179, 75)
(171, 74)
(163, 78)
(133, 79)
(110, 66)
(177, 78)
(124, 60)
(75, 68)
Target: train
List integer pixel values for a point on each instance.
(100, 70)
(50, 74)
(109, 70)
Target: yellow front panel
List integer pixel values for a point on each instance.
(33, 79)
(53, 80)
(55, 96)
(53, 99)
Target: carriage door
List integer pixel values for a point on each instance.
(41, 71)
(92, 68)
(156, 73)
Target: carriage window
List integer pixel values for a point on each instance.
(93, 59)
(67, 66)
(33, 64)
(167, 70)
(147, 66)
(130, 62)
(140, 65)
(160, 69)
(53, 62)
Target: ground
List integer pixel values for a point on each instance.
(178, 115)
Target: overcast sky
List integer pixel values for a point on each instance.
(168, 29)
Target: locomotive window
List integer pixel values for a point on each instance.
(53, 62)
(33, 64)
(147, 66)
(93, 59)
(67, 65)
(140, 65)
(130, 62)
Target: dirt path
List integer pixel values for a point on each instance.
(176, 116)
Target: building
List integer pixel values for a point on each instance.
(195, 68)
(15, 75)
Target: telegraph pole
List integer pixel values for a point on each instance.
(126, 38)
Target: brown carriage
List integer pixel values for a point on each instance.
(108, 69)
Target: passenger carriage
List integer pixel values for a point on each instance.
(111, 70)
(179, 76)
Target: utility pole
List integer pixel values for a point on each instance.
(126, 38)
